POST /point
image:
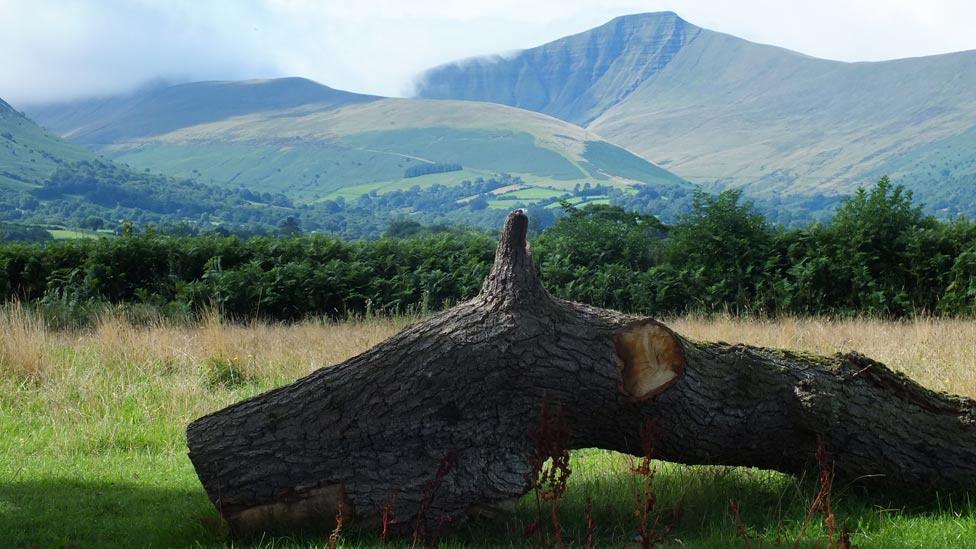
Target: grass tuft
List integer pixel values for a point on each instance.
(22, 345)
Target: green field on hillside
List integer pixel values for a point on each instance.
(302, 171)
(425, 181)
(75, 234)
(359, 163)
(502, 151)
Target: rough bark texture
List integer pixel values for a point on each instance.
(468, 384)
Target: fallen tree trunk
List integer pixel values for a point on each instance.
(462, 391)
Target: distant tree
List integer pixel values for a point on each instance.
(583, 252)
(418, 170)
(403, 228)
(289, 227)
(20, 233)
(478, 203)
(29, 203)
(93, 222)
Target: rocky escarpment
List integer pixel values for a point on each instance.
(575, 78)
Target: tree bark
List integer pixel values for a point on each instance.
(462, 392)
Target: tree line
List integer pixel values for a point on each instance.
(104, 195)
(879, 255)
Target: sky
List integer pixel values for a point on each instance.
(55, 50)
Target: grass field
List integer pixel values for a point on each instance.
(75, 234)
(92, 447)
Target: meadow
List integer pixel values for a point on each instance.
(92, 449)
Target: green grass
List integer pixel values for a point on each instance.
(447, 178)
(497, 150)
(503, 204)
(527, 195)
(377, 161)
(354, 165)
(28, 154)
(135, 487)
(574, 200)
(305, 172)
(92, 452)
(73, 234)
(602, 157)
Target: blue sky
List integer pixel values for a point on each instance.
(63, 49)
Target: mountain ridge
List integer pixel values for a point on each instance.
(606, 75)
(726, 112)
(175, 106)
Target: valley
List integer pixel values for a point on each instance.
(638, 112)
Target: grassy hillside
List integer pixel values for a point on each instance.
(45, 189)
(163, 108)
(311, 148)
(723, 111)
(46, 182)
(314, 153)
(776, 121)
(28, 154)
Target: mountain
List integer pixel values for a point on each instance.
(726, 112)
(48, 182)
(162, 109)
(252, 157)
(313, 143)
(28, 154)
(576, 78)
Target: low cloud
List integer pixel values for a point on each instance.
(55, 50)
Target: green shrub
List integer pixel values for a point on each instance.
(879, 256)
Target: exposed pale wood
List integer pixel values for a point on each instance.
(650, 358)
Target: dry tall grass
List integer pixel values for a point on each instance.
(165, 374)
(23, 340)
(938, 353)
(120, 384)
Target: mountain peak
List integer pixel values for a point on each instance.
(648, 17)
(640, 29)
(575, 78)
